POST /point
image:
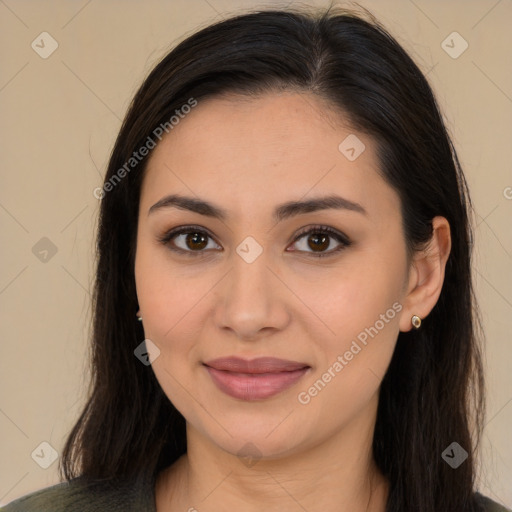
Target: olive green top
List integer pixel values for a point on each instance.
(79, 495)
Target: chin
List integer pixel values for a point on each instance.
(258, 447)
(259, 438)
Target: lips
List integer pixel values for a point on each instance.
(259, 365)
(254, 379)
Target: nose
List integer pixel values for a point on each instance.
(252, 300)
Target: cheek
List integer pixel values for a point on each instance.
(346, 301)
(364, 317)
(167, 293)
(359, 307)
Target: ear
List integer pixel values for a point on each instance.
(426, 275)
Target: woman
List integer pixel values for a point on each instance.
(284, 221)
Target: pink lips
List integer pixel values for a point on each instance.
(255, 379)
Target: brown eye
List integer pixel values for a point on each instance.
(317, 241)
(189, 240)
(196, 241)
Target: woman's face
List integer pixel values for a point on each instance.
(251, 285)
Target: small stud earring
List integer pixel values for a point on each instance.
(416, 321)
(139, 318)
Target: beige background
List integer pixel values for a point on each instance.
(59, 119)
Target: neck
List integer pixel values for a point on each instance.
(337, 475)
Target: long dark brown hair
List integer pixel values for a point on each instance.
(432, 393)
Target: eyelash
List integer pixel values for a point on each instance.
(317, 229)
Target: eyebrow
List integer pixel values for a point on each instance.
(281, 212)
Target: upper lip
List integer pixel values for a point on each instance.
(258, 365)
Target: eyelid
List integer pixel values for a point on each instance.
(340, 237)
(322, 229)
(166, 238)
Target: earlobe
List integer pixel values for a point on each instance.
(427, 275)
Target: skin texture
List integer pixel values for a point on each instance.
(247, 155)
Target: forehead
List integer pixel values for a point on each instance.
(249, 151)
(278, 122)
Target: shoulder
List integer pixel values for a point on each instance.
(489, 505)
(80, 495)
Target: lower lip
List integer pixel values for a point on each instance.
(254, 386)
